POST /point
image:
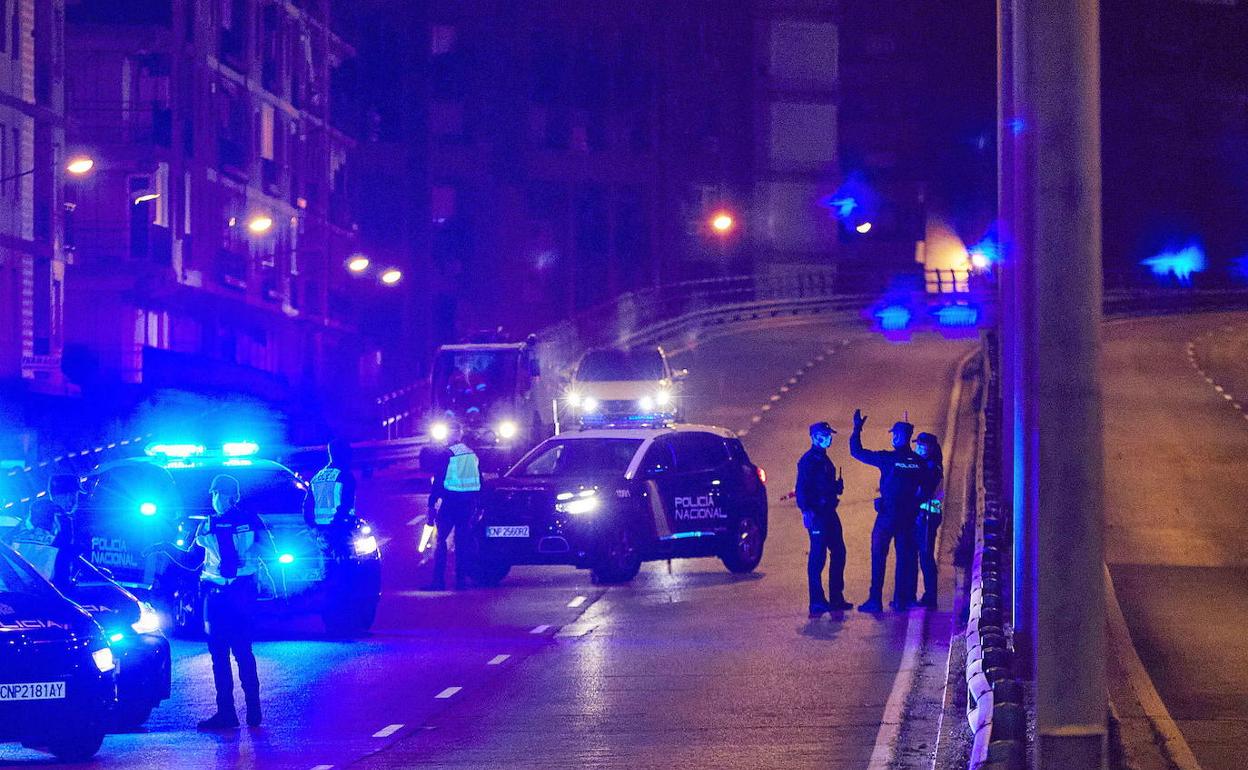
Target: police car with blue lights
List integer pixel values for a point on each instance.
(139, 502)
(58, 674)
(609, 499)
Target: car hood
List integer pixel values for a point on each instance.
(552, 485)
(107, 603)
(46, 616)
(618, 390)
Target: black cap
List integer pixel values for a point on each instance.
(927, 438)
(63, 484)
(904, 427)
(821, 427)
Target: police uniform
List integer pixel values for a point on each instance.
(902, 475)
(819, 492)
(232, 544)
(46, 540)
(927, 525)
(330, 503)
(456, 484)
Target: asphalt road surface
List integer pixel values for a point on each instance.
(686, 666)
(1176, 395)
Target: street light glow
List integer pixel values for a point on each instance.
(358, 263)
(864, 228)
(260, 224)
(722, 222)
(391, 277)
(79, 166)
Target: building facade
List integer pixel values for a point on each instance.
(209, 246)
(32, 180)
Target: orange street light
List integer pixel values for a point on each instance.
(260, 224)
(358, 263)
(79, 165)
(722, 222)
(391, 277)
(864, 228)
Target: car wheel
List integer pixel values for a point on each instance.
(77, 746)
(620, 560)
(746, 549)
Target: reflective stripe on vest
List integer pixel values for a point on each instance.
(327, 494)
(463, 473)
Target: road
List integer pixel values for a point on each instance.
(1176, 391)
(688, 665)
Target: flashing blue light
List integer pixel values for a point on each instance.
(286, 558)
(844, 206)
(240, 448)
(894, 318)
(147, 509)
(180, 542)
(1180, 264)
(174, 450)
(958, 315)
(1239, 268)
(684, 535)
(1016, 126)
(116, 637)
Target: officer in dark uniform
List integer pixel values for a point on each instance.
(927, 525)
(329, 505)
(233, 541)
(818, 494)
(452, 500)
(901, 492)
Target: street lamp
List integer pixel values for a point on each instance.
(391, 277)
(722, 222)
(864, 228)
(77, 166)
(260, 224)
(358, 263)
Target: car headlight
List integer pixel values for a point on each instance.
(365, 545)
(663, 397)
(286, 558)
(104, 660)
(573, 399)
(440, 431)
(149, 620)
(508, 429)
(585, 501)
(589, 404)
(646, 404)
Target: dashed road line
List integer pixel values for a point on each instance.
(322, 767)
(540, 629)
(448, 693)
(498, 660)
(387, 731)
(577, 602)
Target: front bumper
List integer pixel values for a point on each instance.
(89, 696)
(559, 540)
(144, 674)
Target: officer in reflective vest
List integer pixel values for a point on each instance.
(456, 484)
(46, 538)
(330, 502)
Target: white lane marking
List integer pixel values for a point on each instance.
(448, 693)
(1218, 388)
(766, 407)
(387, 731)
(540, 629)
(498, 660)
(784, 388)
(577, 602)
(1173, 743)
(756, 419)
(775, 398)
(322, 767)
(1228, 396)
(792, 380)
(743, 433)
(890, 723)
(417, 519)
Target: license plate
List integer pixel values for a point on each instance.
(32, 691)
(506, 531)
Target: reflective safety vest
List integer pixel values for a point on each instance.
(327, 494)
(37, 546)
(463, 472)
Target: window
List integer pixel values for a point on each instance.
(577, 457)
(697, 452)
(659, 458)
(620, 365)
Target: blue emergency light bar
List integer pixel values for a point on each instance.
(240, 448)
(235, 449)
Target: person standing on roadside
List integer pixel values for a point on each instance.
(819, 490)
(897, 507)
(452, 501)
(927, 524)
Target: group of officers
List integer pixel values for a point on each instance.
(907, 516)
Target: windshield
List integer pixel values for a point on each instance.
(18, 577)
(467, 380)
(184, 491)
(579, 457)
(608, 365)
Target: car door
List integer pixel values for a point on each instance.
(697, 501)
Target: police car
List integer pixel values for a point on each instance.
(138, 502)
(57, 671)
(609, 499)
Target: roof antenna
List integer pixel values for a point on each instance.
(905, 415)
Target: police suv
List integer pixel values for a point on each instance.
(138, 502)
(57, 671)
(609, 499)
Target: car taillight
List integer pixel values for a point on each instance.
(762, 474)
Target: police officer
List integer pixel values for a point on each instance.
(456, 484)
(46, 538)
(819, 492)
(330, 502)
(901, 483)
(233, 541)
(927, 525)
